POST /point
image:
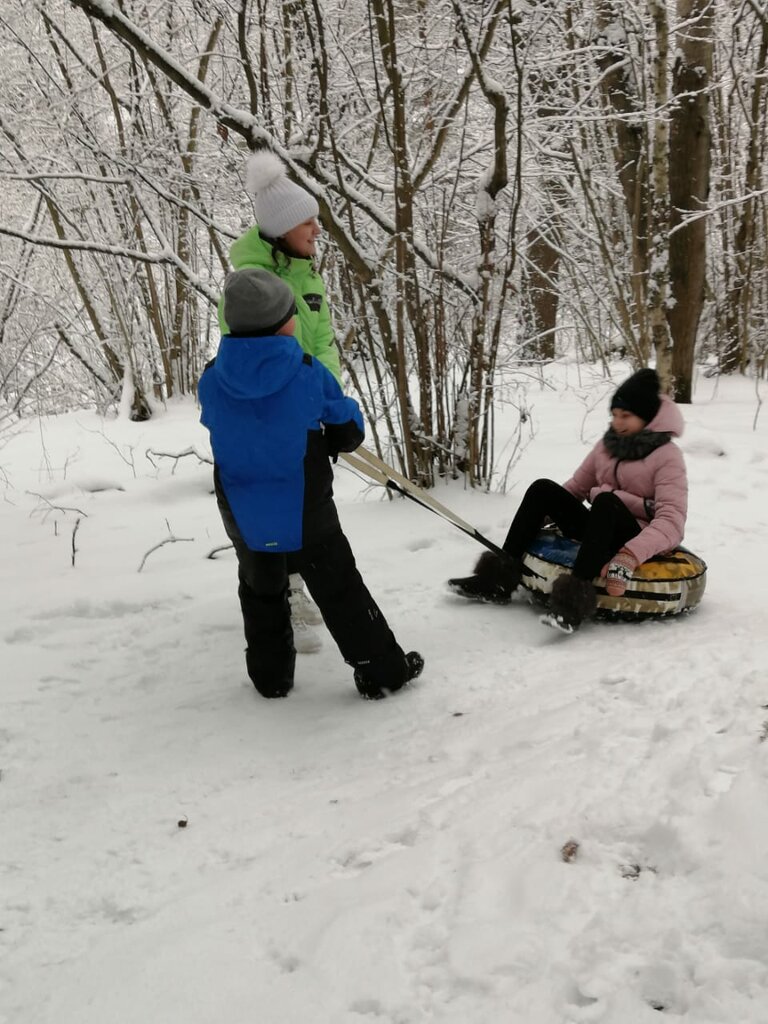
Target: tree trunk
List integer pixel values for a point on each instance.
(737, 306)
(689, 167)
(541, 294)
(658, 263)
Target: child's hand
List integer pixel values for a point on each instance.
(618, 572)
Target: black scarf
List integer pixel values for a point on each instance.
(631, 447)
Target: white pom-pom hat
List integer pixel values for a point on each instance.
(280, 204)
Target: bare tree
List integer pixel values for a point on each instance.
(495, 188)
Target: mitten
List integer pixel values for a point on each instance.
(618, 572)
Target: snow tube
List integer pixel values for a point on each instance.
(664, 585)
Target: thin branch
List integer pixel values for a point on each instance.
(176, 456)
(698, 214)
(168, 540)
(74, 545)
(215, 551)
(57, 508)
(239, 121)
(64, 176)
(85, 246)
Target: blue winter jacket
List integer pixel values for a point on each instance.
(275, 415)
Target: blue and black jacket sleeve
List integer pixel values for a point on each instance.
(341, 417)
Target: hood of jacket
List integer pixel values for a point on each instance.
(668, 420)
(256, 367)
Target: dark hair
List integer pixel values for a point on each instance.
(278, 250)
(282, 252)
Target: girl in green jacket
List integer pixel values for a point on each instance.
(283, 241)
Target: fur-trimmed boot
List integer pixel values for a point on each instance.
(572, 600)
(495, 577)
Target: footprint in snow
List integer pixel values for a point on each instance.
(356, 861)
(421, 544)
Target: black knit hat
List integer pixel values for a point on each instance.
(639, 395)
(256, 303)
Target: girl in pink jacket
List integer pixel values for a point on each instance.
(635, 482)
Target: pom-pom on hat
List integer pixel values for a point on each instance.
(279, 203)
(639, 395)
(256, 303)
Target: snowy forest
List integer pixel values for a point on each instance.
(499, 182)
(522, 202)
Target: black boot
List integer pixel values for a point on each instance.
(412, 669)
(572, 600)
(496, 576)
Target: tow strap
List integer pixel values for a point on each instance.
(372, 466)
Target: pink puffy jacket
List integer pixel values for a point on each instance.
(654, 489)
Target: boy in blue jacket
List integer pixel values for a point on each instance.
(275, 416)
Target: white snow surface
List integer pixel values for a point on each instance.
(395, 862)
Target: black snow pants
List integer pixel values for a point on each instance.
(353, 618)
(602, 528)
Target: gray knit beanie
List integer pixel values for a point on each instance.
(279, 203)
(256, 303)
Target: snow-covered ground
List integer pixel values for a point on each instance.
(397, 862)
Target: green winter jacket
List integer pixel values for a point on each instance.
(313, 323)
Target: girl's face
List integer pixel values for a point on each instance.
(302, 238)
(624, 422)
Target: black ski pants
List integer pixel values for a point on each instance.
(601, 528)
(353, 618)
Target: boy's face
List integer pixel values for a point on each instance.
(289, 327)
(303, 237)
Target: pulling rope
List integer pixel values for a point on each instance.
(372, 466)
